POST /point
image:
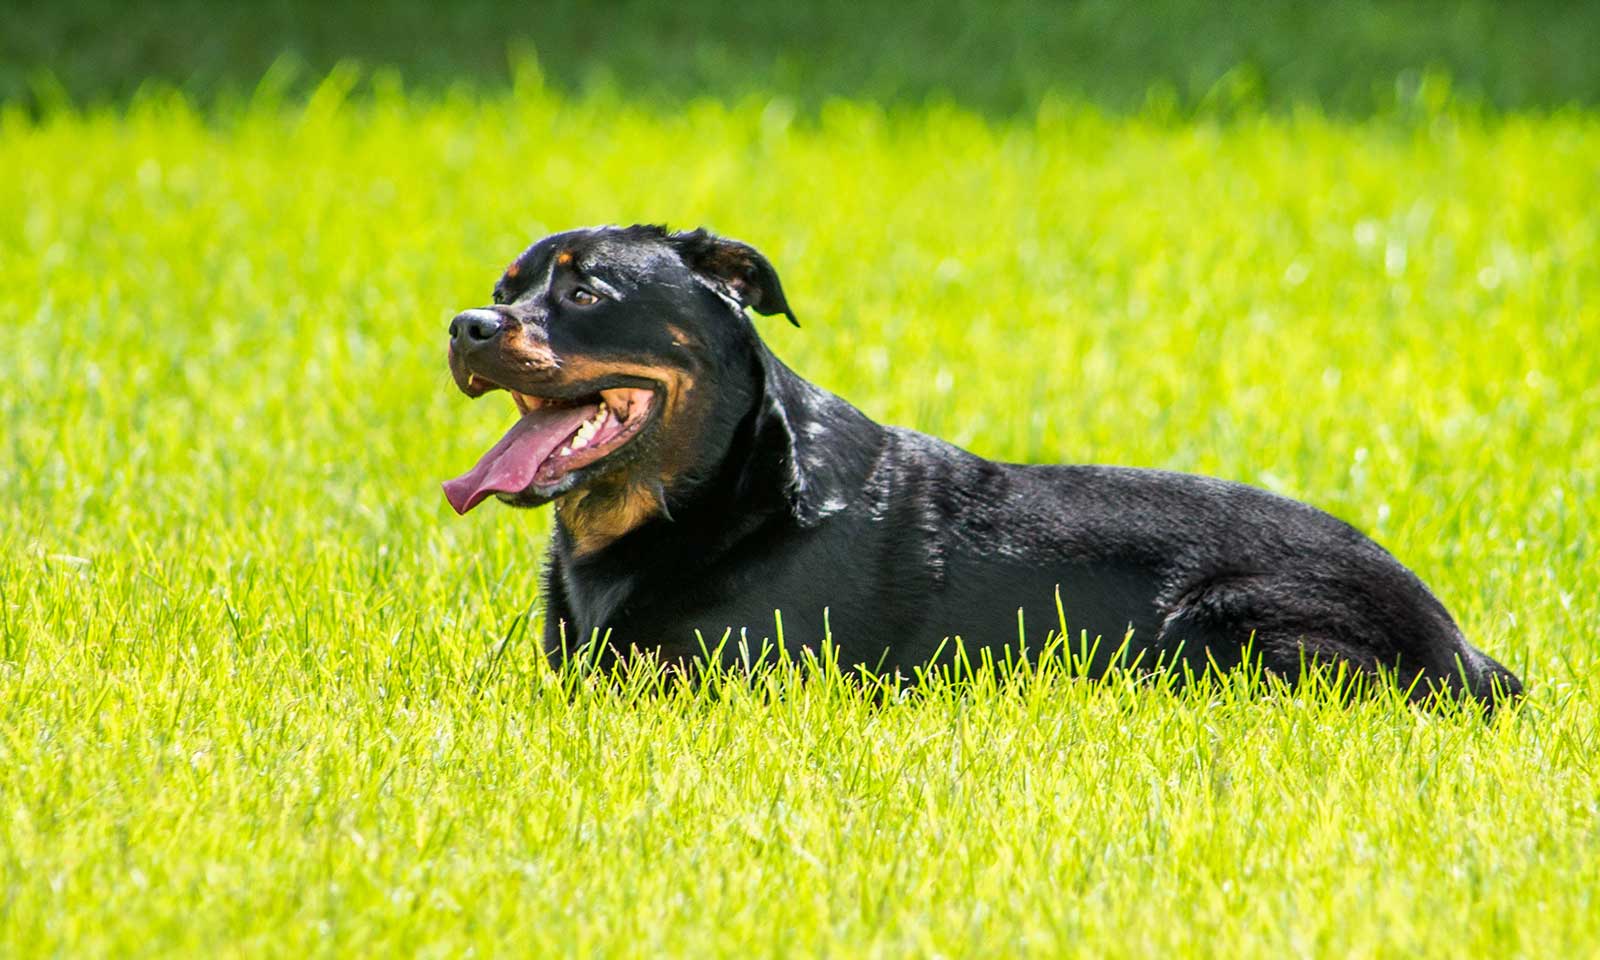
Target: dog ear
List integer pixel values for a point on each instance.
(737, 270)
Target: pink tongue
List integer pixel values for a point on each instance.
(509, 465)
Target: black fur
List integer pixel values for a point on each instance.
(797, 501)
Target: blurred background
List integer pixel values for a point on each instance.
(1346, 57)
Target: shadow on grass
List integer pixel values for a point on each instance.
(1001, 57)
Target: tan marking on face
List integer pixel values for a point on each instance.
(514, 269)
(525, 352)
(564, 257)
(516, 358)
(676, 382)
(614, 505)
(678, 335)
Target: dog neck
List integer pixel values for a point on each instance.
(772, 446)
(793, 456)
(704, 417)
(597, 516)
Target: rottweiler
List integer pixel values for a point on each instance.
(700, 485)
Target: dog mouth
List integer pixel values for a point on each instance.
(540, 457)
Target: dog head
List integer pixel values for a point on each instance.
(623, 349)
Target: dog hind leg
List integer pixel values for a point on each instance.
(1286, 626)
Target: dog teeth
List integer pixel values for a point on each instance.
(590, 427)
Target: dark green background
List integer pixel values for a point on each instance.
(1347, 56)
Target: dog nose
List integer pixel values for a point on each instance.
(471, 328)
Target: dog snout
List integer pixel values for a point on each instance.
(474, 328)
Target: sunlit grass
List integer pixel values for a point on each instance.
(260, 692)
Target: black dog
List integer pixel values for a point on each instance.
(700, 485)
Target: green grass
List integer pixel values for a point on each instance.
(997, 56)
(262, 694)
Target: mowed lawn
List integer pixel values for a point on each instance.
(262, 693)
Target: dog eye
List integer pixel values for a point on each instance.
(582, 297)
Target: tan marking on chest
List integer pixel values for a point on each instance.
(596, 516)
